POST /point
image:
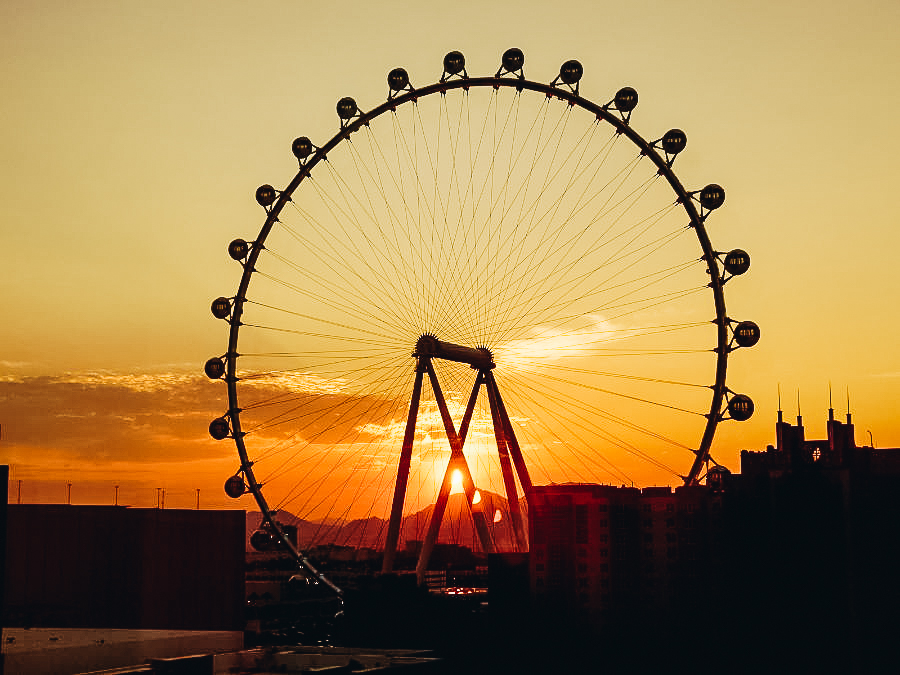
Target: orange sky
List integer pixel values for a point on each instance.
(133, 139)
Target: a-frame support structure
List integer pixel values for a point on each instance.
(511, 462)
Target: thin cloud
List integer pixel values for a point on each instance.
(107, 416)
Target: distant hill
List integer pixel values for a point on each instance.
(457, 526)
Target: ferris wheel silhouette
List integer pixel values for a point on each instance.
(481, 233)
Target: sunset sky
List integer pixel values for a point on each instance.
(135, 134)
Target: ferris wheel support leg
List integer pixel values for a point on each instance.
(393, 534)
(509, 480)
(514, 449)
(511, 440)
(437, 516)
(484, 535)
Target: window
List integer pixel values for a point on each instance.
(648, 537)
(581, 524)
(645, 508)
(670, 508)
(603, 523)
(603, 508)
(582, 568)
(604, 538)
(648, 522)
(670, 522)
(604, 552)
(582, 552)
(539, 567)
(671, 537)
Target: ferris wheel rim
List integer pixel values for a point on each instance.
(607, 113)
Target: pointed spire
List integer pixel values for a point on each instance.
(799, 416)
(780, 418)
(830, 406)
(848, 405)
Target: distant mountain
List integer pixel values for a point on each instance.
(457, 526)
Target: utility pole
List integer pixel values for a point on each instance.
(117, 495)
(68, 493)
(198, 499)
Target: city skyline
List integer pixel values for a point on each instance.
(131, 167)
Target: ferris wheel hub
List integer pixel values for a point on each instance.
(478, 357)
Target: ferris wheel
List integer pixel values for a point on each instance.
(478, 284)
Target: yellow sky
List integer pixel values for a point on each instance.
(134, 136)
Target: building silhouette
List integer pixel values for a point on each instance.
(790, 564)
(117, 567)
(601, 553)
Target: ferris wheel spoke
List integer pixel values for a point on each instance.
(587, 424)
(484, 279)
(428, 280)
(530, 401)
(349, 310)
(568, 300)
(524, 284)
(399, 273)
(535, 286)
(372, 258)
(347, 285)
(539, 366)
(342, 413)
(455, 278)
(493, 270)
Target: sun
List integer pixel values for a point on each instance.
(456, 482)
